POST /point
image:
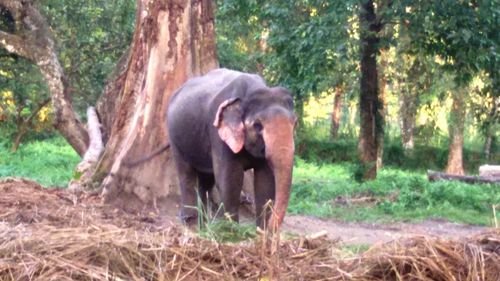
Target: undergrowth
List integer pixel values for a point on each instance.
(49, 162)
(422, 158)
(210, 226)
(319, 188)
(328, 190)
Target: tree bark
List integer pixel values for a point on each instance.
(336, 111)
(32, 40)
(487, 145)
(407, 114)
(456, 132)
(382, 96)
(173, 41)
(491, 127)
(370, 105)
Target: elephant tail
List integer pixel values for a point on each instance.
(132, 164)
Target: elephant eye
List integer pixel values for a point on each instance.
(257, 126)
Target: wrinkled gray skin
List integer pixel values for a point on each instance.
(224, 123)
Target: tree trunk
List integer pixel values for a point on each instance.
(383, 104)
(456, 132)
(487, 146)
(173, 41)
(32, 40)
(24, 124)
(336, 111)
(491, 127)
(19, 136)
(407, 115)
(370, 105)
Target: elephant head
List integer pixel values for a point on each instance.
(262, 122)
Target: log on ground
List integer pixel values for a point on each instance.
(489, 171)
(435, 176)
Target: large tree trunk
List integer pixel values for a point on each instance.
(456, 131)
(173, 41)
(32, 40)
(370, 105)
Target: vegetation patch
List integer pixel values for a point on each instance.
(328, 190)
(319, 188)
(49, 162)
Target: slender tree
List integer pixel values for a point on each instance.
(456, 132)
(369, 102)
(336, 115)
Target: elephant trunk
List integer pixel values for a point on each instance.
(278, 138)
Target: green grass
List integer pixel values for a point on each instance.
(315, 188)
(354, 250)
(49, 162)
(402, 195)
(227, 231)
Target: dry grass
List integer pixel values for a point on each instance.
(427, 258)
(106, 252)
(38, 245)
(109, 253)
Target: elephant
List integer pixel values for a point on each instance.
(224, 123)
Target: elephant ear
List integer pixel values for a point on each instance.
(229, 124)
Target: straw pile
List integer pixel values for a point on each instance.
(427, 258)
(110, 253)
(96, 247)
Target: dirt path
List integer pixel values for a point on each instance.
(370, 233)
(26, 202)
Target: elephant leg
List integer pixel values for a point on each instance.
(205, 185)
(229, 181)
(187, 183)
(264, 188)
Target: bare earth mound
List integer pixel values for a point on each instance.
(56, 235)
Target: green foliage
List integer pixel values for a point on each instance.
(318, 187)
(328, 151)
(422, 158)
(302, 45)
(50, 162)
(212, 227)
(22, 90)
(325, 190)
(227, 231)
(463, 33)
(90, 36)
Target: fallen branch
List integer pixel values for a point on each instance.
(435, 176)
(87, 165)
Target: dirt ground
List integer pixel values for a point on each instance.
(26, 202)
